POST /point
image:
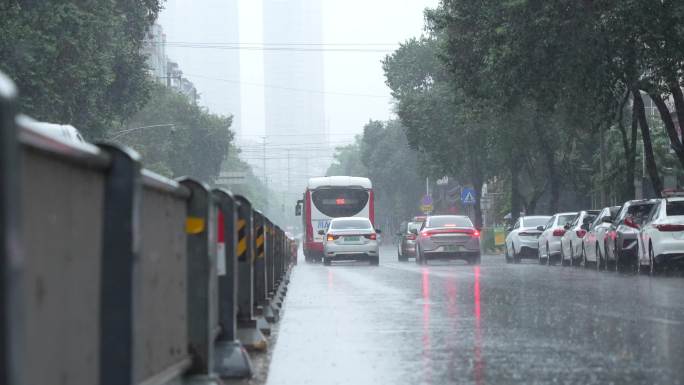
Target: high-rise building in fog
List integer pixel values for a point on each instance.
(294, 118)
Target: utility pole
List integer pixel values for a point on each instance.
(288, 174)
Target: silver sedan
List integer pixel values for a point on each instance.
(350, 238)
(448, 237)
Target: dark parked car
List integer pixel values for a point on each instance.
(406, 247)
(622, 240)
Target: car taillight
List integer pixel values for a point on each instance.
(411, 237)
(612, 235)
(372, 237)
(670, 227)
(475, 234)
(630, 222)
(558, 232)
(581, 233)
(332, 237)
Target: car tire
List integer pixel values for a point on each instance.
(584, 257)
(549, 262)
(572, 256)
(374, 261)
(507, 255)
(539, 257)
(562, 256)
(327, 261)
(655, 268)
(475, 260)
(599, 258)
(516, 256)
(401, 257)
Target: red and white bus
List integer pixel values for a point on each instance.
(332, 197)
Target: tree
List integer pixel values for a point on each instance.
(77, 62)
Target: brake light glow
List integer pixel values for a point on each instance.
(669, 227)
(581, 233)
(630, 223)
(339, 201)
(372, 237)
(475, 234)
(558, 232)
(429, 233)
(332, 237)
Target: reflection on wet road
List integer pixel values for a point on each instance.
(450, 323)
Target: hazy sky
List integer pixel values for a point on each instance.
(345, 21)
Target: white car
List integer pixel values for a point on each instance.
(350, 238)
(550, 239)
(661, 238)
(594, 243)
(521, 241)
(571, 242)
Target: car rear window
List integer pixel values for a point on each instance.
(563, 219)
(350, 224)
(449, 221)
(674, 208)
(414, 225)
(639, 212)
(535, 222)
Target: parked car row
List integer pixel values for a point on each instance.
(641, 235)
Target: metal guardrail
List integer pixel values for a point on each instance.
(111, 274)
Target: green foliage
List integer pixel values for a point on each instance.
(77, 62)
(195, 145)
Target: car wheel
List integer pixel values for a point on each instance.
(374, 261)
(506, 255)
(572, 256)
(655, 269)
(401, 257)
(516, 256)
(584, 257)
(475, 260)
(548, 256)
(326, 261)
(599, 258)
(539, 257)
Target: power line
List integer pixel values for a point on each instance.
(288, 88)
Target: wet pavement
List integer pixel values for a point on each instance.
(451, 323)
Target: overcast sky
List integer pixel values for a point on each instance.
(344, 21)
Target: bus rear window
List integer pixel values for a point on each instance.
(340, 202)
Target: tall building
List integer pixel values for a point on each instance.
(293, 73)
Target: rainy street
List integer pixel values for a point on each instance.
(449, 322)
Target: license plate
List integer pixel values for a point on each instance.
(352, 239)
(452, 248)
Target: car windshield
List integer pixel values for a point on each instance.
(449, 221)
(674, 207)
(350, 224)
(534, 221)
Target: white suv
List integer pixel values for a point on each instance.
(661, 238)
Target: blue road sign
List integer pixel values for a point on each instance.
(468, 196)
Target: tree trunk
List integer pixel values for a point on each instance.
(631, 159)
(629, 148)
(515, 191)
(651, 166)
(670, 128)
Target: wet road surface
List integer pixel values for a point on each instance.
(450, 323)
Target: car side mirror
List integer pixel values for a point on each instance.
(378, 231)
(540, 228)
(414, 231)
(321, 232)
(298, 208)
(566, 226)
(607, 220)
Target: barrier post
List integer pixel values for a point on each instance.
(260, 231)
(11, 322)
(120, 253)
(270, 314)
(248, 333)
(202, 286)
(231, 358)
